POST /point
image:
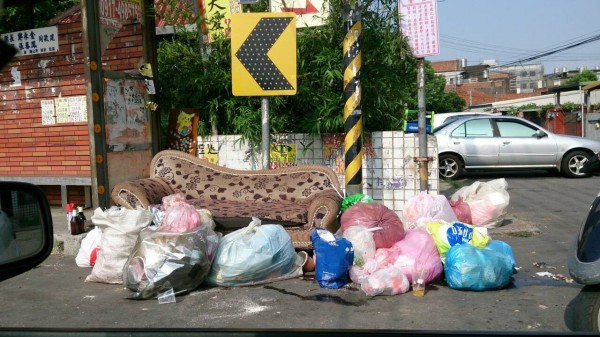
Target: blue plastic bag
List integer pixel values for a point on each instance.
(333, 259)
(254, 254)
(470, 268)
(504, 248)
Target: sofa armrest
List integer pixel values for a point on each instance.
(141, 192)
(323, 210)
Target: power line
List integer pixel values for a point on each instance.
(550, 52)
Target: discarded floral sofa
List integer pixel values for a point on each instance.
(299, 198)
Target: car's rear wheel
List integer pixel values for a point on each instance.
(572, 164)
(450, 166)
(586, 310)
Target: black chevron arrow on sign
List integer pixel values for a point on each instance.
(253, 54)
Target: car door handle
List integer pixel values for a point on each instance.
(505, 143)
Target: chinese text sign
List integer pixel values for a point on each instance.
(418, 20)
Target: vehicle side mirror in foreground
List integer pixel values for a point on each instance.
(26, 236)
(540, 134)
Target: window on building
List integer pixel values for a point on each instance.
(523, 85)
(532, 73)
(523, 73)
(531, 85)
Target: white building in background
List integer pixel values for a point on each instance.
(523, 78)
(575, 96)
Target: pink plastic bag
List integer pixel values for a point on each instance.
(388, 281)
(375, 215)
(483, 212)
(424, 207)
(462, 210)
(417, 248)
(173, 200)
(181, 218)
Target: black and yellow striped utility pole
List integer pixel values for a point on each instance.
(352, 97)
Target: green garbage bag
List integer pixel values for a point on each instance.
(354, 199)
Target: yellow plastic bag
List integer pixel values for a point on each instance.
(447, 235)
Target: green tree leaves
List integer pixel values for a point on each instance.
(584, 76)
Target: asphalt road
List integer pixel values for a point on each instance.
(544, 214)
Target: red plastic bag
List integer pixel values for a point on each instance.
(375, 215)
(462, 210)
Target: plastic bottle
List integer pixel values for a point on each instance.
(69, 208)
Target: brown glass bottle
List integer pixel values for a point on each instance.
(81, 218)
(75, 227)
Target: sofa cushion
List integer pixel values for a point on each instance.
(239, 213)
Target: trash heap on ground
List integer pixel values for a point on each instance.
(173, 248)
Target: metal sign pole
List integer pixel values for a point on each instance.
(423, 160)
(266, 137)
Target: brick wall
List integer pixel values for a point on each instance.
(29, 148)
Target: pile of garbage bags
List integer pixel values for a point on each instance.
(437, 237)
(172, 248)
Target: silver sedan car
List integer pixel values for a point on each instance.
(503, 142)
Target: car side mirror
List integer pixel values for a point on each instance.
(26, 235)
(540, 134)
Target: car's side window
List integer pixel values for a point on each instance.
(514, 129)
(474, 128)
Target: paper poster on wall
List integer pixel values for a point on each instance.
(283, 155)
(113, 14)
(33, 41)
(208, 152)
(15, 75)
(48, 112)
(126, 115)
(77, 109)
(61, 106)
(333, 152)
(183, 130)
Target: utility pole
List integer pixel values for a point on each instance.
(352, 97)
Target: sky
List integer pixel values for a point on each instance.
(513, 30)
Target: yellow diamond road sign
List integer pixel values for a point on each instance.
(263, 54)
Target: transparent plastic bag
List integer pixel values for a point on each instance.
(253, 255)
(387, 281)
(487, 201)
(425, 207)
(167, 259)
(362, 242)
